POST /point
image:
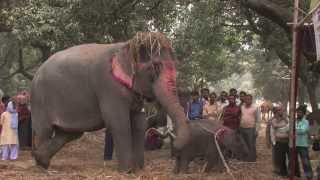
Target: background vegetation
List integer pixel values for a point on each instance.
(244, 44)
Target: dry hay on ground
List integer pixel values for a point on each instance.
(82, 160)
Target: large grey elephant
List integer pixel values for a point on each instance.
(92, 86)
(202, 144)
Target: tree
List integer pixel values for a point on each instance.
(279, 13)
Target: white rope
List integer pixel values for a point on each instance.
(219, 150)
(171, 134)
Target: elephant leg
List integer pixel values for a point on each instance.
(183, 161)
(122, 137)
(138, 124)
(48, 149)
(172, 150)
(184, 165)
(212, 157)
(176, 169)
(42, 137)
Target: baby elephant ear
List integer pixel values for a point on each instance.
(122, 73)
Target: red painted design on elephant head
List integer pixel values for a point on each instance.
(169, 76)
(119, 74)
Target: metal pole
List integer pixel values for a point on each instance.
(293, 89)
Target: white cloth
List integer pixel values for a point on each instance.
(8, 135)
(10, 152)
(169, 123)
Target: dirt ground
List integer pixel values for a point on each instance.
(83, 159)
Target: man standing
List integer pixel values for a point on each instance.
(242, 95)
(231, 114)
(222, 102)
(211, 110)
(24, 127)
(108, 145)
(205, 96)
(195, 107)
(249, 126)
(280, 134)
(302, 141)
(234, 92)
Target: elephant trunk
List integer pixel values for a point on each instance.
(165, 92)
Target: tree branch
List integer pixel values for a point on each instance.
(270, 10)
(252, 25)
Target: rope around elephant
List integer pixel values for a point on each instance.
(219, 150)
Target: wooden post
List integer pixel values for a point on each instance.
(293, 88)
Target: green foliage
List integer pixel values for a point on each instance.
(208, 51)
(39, 24)
(213, 39)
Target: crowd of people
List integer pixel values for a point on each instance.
(239, 112)
(233, 110)
(278, 138)
(15, 126)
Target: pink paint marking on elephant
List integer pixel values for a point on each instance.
(121, 76)
(170, 75)
(220, 134)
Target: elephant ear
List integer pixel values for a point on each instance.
(122, 73)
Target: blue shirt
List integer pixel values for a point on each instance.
(195, 110)
(302, 133)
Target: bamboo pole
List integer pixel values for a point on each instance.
(293, 89)
(308, 16)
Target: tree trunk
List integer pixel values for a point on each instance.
(301, 93)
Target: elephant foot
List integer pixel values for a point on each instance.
(176, 170)
(41, 160)
(126, 171)
(38, 169)
(139, 167)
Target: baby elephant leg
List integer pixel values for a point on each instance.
(182, 164)
(213, 159)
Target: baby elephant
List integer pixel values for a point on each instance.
(202, 144)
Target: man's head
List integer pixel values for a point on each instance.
(5, 100)
(301, 111)
(233, 91)
(242, 95)
(194, 95)
(205, 93)
(278, 110)
(232, 99)
(212, 97)
(248, 99)
(223, 95)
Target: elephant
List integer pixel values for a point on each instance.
(93, 86)
(202, 144)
